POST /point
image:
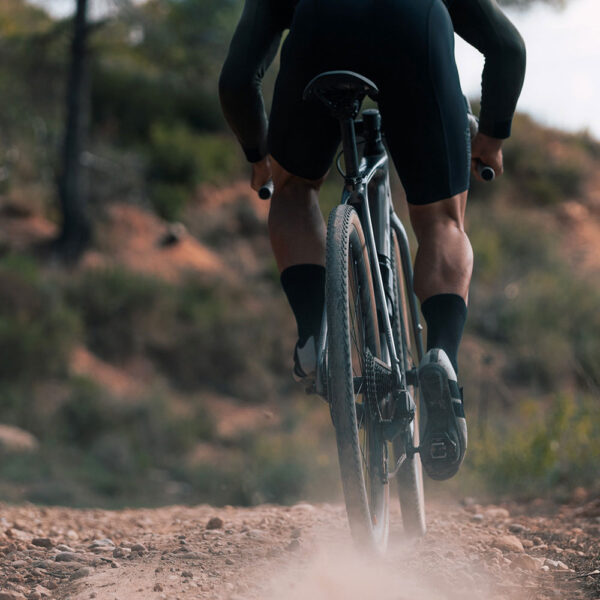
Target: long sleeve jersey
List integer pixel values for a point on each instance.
(481, 23)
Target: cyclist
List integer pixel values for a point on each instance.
(407, 48)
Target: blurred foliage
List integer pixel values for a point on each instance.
(37, 330)
(540, 449)
(549, 166)
(157, 134)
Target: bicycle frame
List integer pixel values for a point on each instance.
(373, 169)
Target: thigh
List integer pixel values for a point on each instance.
(303, 136)
(424, 114)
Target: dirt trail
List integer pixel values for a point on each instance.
(299, 552)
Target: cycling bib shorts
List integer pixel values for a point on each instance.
(407, 48)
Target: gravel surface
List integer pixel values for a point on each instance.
(513, 551)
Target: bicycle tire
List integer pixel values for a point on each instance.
(410, 475)
(352, 327)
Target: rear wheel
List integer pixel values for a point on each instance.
(410, 474)
(353, 340)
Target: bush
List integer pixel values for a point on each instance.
(180, 160)
(544, 165)
(554, 447)
(37, 329)
(180, 156)
(120, 310)
(168, 199)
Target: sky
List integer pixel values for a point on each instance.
(562, 85)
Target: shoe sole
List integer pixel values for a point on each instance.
(441, 448)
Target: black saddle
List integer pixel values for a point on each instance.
(341, 91)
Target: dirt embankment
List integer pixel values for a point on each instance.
(300, 552)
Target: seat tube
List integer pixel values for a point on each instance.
(349, 145)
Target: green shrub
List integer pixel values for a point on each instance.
(120, 309)
(544, 165)
(37, 329)
(180, 156)
(545, 447)
(168, 199)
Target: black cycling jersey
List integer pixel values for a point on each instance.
(257, 37)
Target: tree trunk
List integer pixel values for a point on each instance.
(73, 185)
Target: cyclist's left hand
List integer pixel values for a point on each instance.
(489, 151)
(261, 173)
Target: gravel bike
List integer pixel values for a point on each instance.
(366, 357)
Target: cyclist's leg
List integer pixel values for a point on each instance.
(442, 272)
(297, 233)
(303, 139)
(425, 121)
(296, 225)
(444, 260)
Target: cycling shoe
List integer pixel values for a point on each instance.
(443, 430)
(305, 361)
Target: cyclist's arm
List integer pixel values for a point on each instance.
(482, 24)
(252, 50)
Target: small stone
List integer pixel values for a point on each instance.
(64, 548)
(42, 542)
(103, 543)
(257, 535)
(545, 568)
(215, 523)
(121, 552)
(187, 574)
(158, 587)
(138, 548)
(304, 506)
(19, 564)
(69, 557)
(527, 543)
(494, 512)
(526, 562)
(517, 528)
(34, 596)
(477, 518)
(293, 546)
(229, 561)
(80, 573)
(508, 543)
(296, 533)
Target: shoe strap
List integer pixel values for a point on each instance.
(455, 391)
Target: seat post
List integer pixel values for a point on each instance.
(349, 146)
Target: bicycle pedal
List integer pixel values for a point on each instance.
(442, 448)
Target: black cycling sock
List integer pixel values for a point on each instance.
(304, 286)
(445, 315)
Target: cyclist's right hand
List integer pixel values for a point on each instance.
(487, 150)
(261, 173)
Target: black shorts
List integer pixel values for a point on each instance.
(407, 48)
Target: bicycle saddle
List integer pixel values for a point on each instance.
(341, 91)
